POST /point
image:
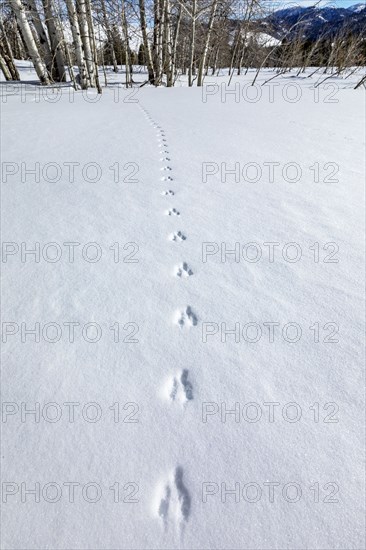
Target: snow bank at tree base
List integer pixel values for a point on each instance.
(164, 221)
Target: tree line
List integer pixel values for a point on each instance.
(81, 40)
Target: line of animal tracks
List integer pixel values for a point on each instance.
(173, 500)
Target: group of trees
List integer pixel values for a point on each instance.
(71, 40)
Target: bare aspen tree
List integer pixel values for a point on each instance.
(7, 53)
(156, 39)
(207, 43)
(109, 36)
(84, 33)
(126, 45)
(193, 42)
(175, 43)
(78, 45)
(236, 47)
(70, 67)
(194, 13)
(19, 52)
(93, 45)
(42, 36)
(147, 48)
(4, 68)
(22, 42)
(161, 39)
(252, 7)
(215, 59)
(167, 44)
(56, 38)
(183, 61)
(159, 14)
(28, 37)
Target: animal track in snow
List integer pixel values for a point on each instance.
(174, 501)
(180, 388)
(164, 503)
(186, 318)
(166, 168)
(167, 178)
(178, 236)
(169, 193)
(173, 212)
(183, 270)
(184, 498)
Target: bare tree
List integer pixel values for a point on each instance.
(207, 43)
(147, 48)
(78, 45)
(93, 47)
(56, 38)
(7, 54)
(85, 39)
(31, 45)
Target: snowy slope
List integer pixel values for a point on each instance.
(357, 7)
(168, 462)
(316, 21)
(263, 39)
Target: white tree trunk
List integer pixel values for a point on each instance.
(158, 40)
(193, 43)
(168, 46)
(207, 43)
(19, 52)
(8, 53)
(56, 38)
(175, 43)
(84, 32)
(26, 31)
(127, 45)
(4, 68)
(78, 45)
(148, 55)
(93, 44)
(42, 36)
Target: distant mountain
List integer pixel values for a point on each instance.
(310, 23)
(357, 7)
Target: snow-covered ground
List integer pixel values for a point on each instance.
(153, 428)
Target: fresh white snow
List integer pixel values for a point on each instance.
(173, 451)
